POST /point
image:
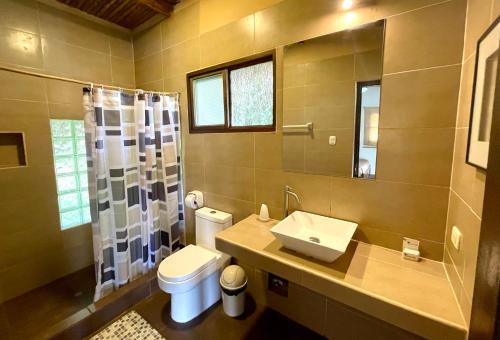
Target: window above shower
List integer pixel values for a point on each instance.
(234, 97)
(70, 161)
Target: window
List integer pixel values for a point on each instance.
(234, 97)
(208, 96)
(70, 160)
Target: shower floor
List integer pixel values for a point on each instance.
(29, 315)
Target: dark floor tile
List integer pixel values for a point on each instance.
(107, 310)
(156, 310)
(4, 325)
(257, 322)
(152, 308)
(142, 283)
(65, 324)
(154, 286)
(33, 315)
(82, 284)
(41, 308)
(273, 325)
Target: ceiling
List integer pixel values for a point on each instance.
(125, 13)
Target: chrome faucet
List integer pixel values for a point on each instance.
(288, 191)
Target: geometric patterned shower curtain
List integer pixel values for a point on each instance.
(135, 190)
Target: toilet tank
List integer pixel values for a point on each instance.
(208, 223)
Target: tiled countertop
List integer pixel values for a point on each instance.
(415, 296)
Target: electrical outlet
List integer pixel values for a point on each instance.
(277, 285)
(456, 237)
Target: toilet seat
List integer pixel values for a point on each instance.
(186, 263)
(184, 269)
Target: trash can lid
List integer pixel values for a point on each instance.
(233, 277)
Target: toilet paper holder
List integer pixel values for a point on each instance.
(194, 199)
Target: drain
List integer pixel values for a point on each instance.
(314, 239)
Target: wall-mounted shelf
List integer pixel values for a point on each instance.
(12, 150)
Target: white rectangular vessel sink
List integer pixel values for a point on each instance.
(324, 238)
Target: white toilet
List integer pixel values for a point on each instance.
(191, 275)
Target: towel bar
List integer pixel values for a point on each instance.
(308, 126)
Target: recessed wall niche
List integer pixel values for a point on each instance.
(12, 151)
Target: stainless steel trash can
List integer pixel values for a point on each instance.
(233, 282)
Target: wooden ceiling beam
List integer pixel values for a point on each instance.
(159, 6)
(100, 12)
(138, 17)
(117, 10)
(130, 8)
(125, 13)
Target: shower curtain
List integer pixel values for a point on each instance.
(133, 161)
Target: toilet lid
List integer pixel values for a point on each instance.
(186, 263)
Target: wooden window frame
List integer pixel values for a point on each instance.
(225, 69)
(214, 128)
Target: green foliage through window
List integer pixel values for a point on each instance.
(252, 95)
(68, 144)
(237, 96)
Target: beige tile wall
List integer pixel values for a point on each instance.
(467, 182)
(33, 250)
(216, 13)
(238, 172)
(318, 81)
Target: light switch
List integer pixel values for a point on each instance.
(332, 140)
(456, 237)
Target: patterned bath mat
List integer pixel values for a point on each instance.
(130, 326)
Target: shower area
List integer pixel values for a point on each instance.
(90, 173)
(118, 184)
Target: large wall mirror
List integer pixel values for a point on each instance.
(331, 102)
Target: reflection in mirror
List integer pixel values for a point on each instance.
(321, 77)
(366, 128)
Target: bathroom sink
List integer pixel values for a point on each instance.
(324, 238)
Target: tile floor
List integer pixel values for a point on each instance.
(258, 322)
(28, 315)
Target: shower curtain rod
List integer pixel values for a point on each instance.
(70, 80)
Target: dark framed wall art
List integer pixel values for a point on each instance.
(483, 95)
